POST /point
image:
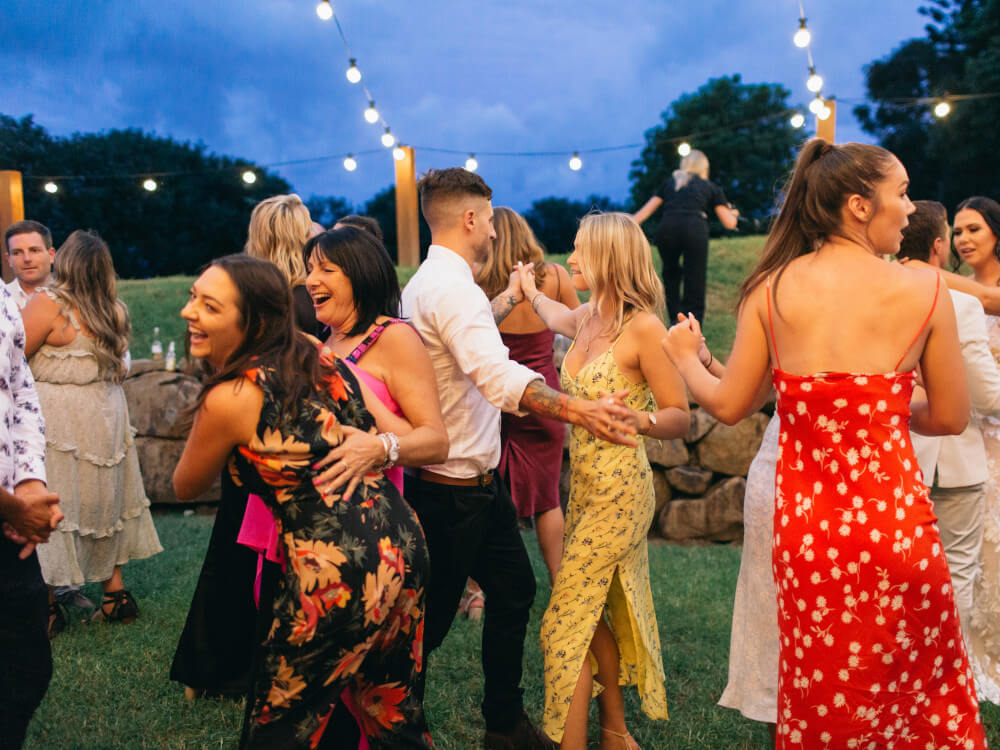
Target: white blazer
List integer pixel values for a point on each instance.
(960, 460)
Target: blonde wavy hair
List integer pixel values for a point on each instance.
(695, 164)
(514, 242)
(280, 226)
(86, 284)
(616, 262)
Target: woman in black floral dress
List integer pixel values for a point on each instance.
(349, 608)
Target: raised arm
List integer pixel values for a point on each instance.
(647, 210)
(989, 296)
(555, 315)
(504, 302)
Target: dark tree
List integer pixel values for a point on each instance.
(744, 131)
(555, 220)
(955, 157)
(326, 209)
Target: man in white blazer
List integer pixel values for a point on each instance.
(954, 467)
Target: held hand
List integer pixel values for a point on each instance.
(358, 454)
(26, 547)
(609, 419)
(527, 279)
(683, 339)
(514, 286)
(36, 513)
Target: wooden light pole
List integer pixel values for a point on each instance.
(827, 129)
(407, 220)
(11, 210)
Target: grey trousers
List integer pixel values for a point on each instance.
(960, 521)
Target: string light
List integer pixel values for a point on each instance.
(249, 177)
(388, 139)
(797, 120)
(149, 184)
(471, 164)
(398, 153)
(684, 149)
(815, 81)
(802, 36)
(575, 163)
(942, 109)
(350, 164)
(51, 187)
(371, 114)
(324, 10)
(816, 105)
(353, 74)
(824, 113)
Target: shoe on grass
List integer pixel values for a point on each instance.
(522, 736)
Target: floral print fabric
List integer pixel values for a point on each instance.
(349, 609)
(871, 653)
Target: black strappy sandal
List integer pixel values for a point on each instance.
(57, 620)
(123, 607)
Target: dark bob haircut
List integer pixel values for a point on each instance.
(367, 265)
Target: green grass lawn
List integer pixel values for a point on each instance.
(157, 302)
(110, 687)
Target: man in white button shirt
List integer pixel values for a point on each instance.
(954, 467)
(467, 515)
(30, 254)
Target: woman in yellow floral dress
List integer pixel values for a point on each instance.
(600, 624)
(348, 612)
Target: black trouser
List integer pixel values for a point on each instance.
(684, 235)
(25, 660)
(472, 532)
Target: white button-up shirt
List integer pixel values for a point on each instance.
(475, 376)
(20, 296)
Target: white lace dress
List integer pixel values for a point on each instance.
(753, 643)
(983, 630)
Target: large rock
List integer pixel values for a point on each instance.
(667, 453)
(701, 423)
(729, 450)
(717, 517)
(157, 400)
(689, 479)
(661, 492)
(157, 458)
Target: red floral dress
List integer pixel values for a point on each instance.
(350, 606)
(871, 652)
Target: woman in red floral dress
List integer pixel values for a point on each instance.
(871, 652)
(349, 608)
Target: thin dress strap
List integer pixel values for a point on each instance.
(770, 324)
(937, 291)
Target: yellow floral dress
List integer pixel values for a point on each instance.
(349, 609)
(605, 562)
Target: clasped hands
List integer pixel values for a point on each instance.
(30, 514)
(684, 339)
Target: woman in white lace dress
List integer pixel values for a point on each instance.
(977, 242)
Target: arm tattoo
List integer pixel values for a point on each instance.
(502, 304)
(539, 399)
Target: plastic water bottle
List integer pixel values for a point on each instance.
(156, 348)
(171, 362)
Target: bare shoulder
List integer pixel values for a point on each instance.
(232, 400)
(402, 337)
(645, 326)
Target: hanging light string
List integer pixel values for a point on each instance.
(818, 106)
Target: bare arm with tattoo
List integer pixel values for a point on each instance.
(604, 418)
(510, 297)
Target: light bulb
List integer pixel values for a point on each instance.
(350, 164)
(353, 74)
(324, 10)
(398, 153)
(684, 149)
(575, 163)
(802, 36)
(942, 109)
(797, 120)
(249, 177)
(388, 139)
(371, 114)
(51, 187)
(816, 105)
(472, 165)
(824, 113)
(815, 81)
(150, 184)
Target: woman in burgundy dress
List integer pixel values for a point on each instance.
(871, 653)
(531, 447)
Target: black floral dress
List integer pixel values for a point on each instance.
(350, 605)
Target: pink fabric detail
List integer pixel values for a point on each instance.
(260, 532)
(381, 391)
(349, 703)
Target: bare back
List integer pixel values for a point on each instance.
(840, 310)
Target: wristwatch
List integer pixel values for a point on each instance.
(391, 445)
(652, 421)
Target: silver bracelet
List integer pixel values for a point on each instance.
(534, 298)
(391, 445)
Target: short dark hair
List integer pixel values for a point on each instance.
(368, 267)
(27, 227)
(927, 223)
(438, 185)
(989, 209)
(367, 223)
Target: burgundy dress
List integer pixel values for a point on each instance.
(532, 447)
